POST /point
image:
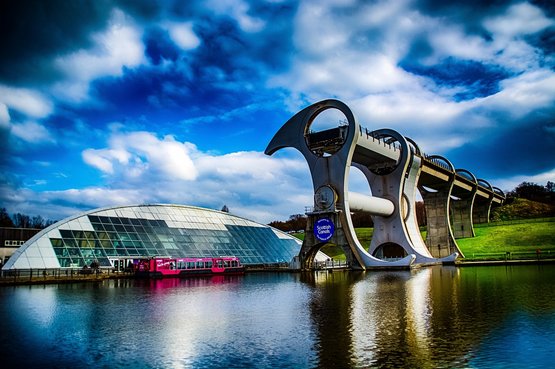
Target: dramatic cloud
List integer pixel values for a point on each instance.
(25, 101)
(140, 152)
(199, 88)
(4, 116)
(32, 132)
(172, 171)
(115, 48)
(183, 35)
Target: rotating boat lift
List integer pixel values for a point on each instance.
(395, 169)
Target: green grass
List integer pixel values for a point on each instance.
(521, 239)
(513, 238)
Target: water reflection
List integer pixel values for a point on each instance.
(329, 307)
(479, 317)
(432, 317)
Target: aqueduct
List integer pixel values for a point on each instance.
(396, 170)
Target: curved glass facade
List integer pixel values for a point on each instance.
(122, 234)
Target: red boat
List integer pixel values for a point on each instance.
(182, 267)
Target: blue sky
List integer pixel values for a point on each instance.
(122, 102)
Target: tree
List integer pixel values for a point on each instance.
(5, 220)
(362, 219)
(534, 192)
(37, 222)
(21, 220)
(297, 222)
(421, 213)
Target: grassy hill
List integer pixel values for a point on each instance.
(520, 238)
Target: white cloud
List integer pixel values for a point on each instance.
(4, 116)
(165, 170)
(119, 46)
(183, 35)
(524, 93)
(32, 132)
(98, 159)
(138, 153)
(452, 41)
(519, 19)
(26, 101)
(509, 47)
(507, 184)
(420, 108)
(239, 10)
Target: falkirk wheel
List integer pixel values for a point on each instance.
(395, 169)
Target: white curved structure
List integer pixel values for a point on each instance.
(395, 169)
(116, 236)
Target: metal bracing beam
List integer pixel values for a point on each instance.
(371, 204)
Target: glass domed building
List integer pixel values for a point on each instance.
(116, 236)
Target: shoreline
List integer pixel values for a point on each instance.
(94, 277)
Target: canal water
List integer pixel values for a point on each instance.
(436, 317)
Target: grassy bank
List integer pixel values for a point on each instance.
(493, 241)
(517, 238)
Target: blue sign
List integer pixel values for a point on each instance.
(323, 229)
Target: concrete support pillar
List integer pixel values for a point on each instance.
(482, 204)
(439, 238)
(461, 214)
(481, 209)
(311, 245)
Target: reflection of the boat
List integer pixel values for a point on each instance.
(200, 281)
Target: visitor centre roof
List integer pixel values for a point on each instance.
(143, 231)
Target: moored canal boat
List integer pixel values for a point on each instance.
(183, 267)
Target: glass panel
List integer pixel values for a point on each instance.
(65, 233)
(109, 227)
(64, 262)
(74, 252)
(88, 234)
(78, 234)
(111, 252)
(84, 243)
(94, 219)
(70, 242)
(56, 242)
